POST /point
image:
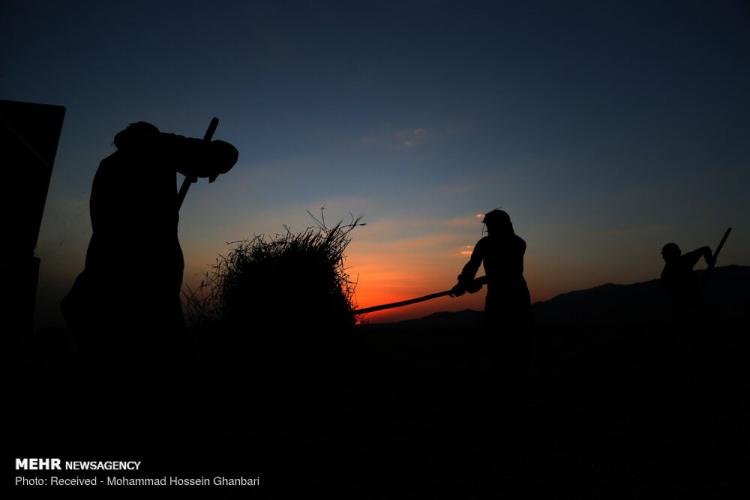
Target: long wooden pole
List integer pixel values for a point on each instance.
(707, 273)
(402, 303)
(191, 179)
(721, 244)
(479, 281)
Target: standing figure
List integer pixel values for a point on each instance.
(507, 311)
(678, 276)
(124, 308)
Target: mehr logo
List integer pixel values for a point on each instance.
(38, 463)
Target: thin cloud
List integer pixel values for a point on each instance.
(401, 139)
(412, 138)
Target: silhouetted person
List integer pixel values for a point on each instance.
(678, 276)
(124, 308)
(507, 310)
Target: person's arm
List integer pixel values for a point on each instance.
(470, 269)
(196, 157)
(468, 273)
(691, 258)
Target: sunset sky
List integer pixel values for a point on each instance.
(605, 129)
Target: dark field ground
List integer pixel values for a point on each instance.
(610, 408)
(404, 412)
(420, 413)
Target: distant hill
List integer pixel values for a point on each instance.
(727, 294)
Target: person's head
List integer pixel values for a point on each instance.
(134, 135)
(498, 222)
(671, 252)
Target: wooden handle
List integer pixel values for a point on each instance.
(189, 180)
(480, 281)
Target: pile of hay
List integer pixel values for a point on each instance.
(273, 322)
(292, 284)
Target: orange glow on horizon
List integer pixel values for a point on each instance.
(383, 278)
(379, 282)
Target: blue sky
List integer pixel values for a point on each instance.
(605, 129)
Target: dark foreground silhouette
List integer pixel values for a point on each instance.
(507, 305)
(679, 278)
(507, 311)
(136, 367)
